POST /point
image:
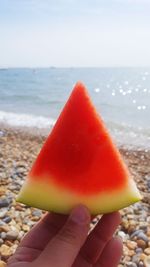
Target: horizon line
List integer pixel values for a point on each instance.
(71, 67)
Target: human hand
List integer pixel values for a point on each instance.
(62, 241)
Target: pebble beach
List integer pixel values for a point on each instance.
(18, 149)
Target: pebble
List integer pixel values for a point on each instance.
(3, 235)
(136, 258)
(2, 133)
(126, 259)
(4, 202)
(138, 250)
(14, 187)
(132, 222)
(143, 227)
(136, 233)
(19, 207)
(25, 228)
(38, 213)
(8, 243)
(131, 244)
(147, 251)
(131, 252)
(147, 261)
(5, 251)
(141, 243)
(1, 223)
(122, 235)
(27, 212)
(131, 229)
(3, 213)
(20, 235)
(131, 264)
(2, 264)
(142, 256)
(11, 235)
(1, 241)
(130, 216)
(148, 183)
(35, 218)
(4, 228)
(7, 219)
(20, 171)
(142, 236)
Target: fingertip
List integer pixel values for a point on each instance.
(80, 214)
(70, 237)
(115, 244)
(46, 216)
(117, 241)
(115, 216)
(108, 256)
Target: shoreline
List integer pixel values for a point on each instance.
(29, 131)
(19, 148)
(38, 132)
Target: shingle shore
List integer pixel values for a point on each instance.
(18, 150)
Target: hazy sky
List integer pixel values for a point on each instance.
(74, 33)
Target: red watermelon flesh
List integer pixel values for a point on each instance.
(79, 163)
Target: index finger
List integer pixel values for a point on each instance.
(44, 231)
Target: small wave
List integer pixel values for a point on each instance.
(25, 120)
(130, 136)
(122, 133)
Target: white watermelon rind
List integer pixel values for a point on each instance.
(51, 198)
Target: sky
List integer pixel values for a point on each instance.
(74, 33)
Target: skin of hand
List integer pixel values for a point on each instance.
(63, 241)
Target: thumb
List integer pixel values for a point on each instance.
(63, 248)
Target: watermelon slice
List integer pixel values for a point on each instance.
(79, 163)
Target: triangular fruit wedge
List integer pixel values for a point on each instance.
(79, 163)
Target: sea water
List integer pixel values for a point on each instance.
(35, 97)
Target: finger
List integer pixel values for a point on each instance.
(64, 247)
(23, 254)
(99, 237)
(111, 254)
(44, 231)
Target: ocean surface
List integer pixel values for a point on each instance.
(35, 97)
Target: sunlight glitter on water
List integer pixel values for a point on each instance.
(126, 82)
(141, 107)
(113, 93)
(146, 73)
(97, 90)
